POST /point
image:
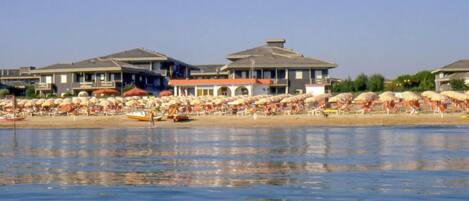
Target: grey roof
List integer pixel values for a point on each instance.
(262, 51)
(461, 65)
(271, 56)
(136, 53)
(93, 63)
(208, 69)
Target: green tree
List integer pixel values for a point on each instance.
(457, 84)
(375, 83)
(360, 82)
(426, 80)
(30, 91)
(4, 92)
(346, 85)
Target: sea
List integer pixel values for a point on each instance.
(291, 163)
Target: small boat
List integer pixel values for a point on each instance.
(180, 117)
(11, 118)
(142, 116)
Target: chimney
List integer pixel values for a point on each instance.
(276, 42)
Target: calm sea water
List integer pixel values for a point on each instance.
(393, 163)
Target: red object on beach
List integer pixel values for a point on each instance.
(166, 93)
(135, 92)
(106, 92)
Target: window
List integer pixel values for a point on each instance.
(243, 74)
(133, 77)
(113, 76)
(63, 78)
(48, 79)
(102, 77)
(267, 75)
(318, 74)
(298, 75)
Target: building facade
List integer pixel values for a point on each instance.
(287, 71)
(456, 70)
(17, 79)
(143, 68)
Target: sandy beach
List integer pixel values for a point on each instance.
(121, 121)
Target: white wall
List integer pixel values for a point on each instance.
(259, 89)
(315, 90)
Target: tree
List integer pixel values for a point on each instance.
(457, 84)
(426, 80)
(360, 82)
(4, 92)
(346, 85)
(375, 83)
(30, 91)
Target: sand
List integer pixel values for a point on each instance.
(121, 121)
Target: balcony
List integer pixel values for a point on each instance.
(43, 86)
(95, 85)
(106, 84)
(325, 81)
(279, 82)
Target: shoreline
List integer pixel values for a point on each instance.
(346, 120)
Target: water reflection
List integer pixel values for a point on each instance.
(227, 157)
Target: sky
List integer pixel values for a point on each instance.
(390, 37)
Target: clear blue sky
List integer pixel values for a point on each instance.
(373, 36)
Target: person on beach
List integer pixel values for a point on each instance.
(152, 119)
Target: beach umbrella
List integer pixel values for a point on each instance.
(388, 96)
(166, 93)
(106, 92)
(342, 97)
(83, 94)
(455, 95)
(76, 100)
(135, 92)
(104, 103)
(366, 97)
(410, 96)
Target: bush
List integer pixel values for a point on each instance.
(346, 85)
(375, 83)
(360, 82)
(4, 92)
(51, 95)
(66, 94)
(457, 84)
(30, 92)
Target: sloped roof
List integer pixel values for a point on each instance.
(268, 56)
(272, 61)
(136, 54)
(91, 64)
(208, 69)
(461, 65)
(262, 51)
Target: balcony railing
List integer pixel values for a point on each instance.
(85, 85)
(326, 81)
(107, 84)
(95, 85)
(43, 86)
(279, 82)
